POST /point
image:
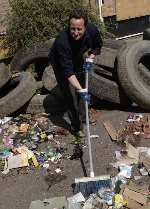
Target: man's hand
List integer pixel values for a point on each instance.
(84, 95)
(92, 56)
(87, 66)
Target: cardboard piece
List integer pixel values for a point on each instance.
(23, 127)
(146, 128)
(15, 161)
(19, 160)
(124, 160)
(138, 197)
(148, 120)
(147, 206)
(111, 130)
(140, 187)
(146, 163)
(132, 156)
(132, 204)
(132, 152)
(76, 198)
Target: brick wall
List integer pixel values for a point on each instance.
(4, 7)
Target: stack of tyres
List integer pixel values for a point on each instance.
(146, 34)
(37, 56)
(109, 79)
(14, 92)
(102, 82)
(103, 79)
(134, 72)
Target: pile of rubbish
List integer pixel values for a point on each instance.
(130, 186)
(33, 141)
(30, 141)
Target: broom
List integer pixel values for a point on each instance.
(89, 185)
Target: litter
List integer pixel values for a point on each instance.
(34, 160)
(58, 170)
(106, 196)
(23, 128)
(5, 120)
(16, 161)
(76, 198)
(45, 165)
(8, 142)
(143, 171)
(134, 117)
(25, 137)
(125, 171)
(118, 201)
(4, 152)
(94, 136)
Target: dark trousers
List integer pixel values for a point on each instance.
(75, 106)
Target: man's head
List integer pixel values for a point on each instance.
(77, 24)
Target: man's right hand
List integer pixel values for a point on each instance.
(87, 66)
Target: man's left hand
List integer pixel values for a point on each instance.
(84, 95)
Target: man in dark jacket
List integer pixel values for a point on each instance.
(66, 58)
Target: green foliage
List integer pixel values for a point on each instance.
(31, 21)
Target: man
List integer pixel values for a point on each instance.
(66, 58)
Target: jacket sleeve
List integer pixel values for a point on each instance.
(65, 59)
(96, 42)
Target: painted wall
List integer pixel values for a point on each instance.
(123, 9)
(127, 9)
(109, 8)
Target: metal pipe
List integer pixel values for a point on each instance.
(129, 36)
(100, 10)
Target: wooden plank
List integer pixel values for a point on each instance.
(111, 130)
(126, 9)
(108, 11)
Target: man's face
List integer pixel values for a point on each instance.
(77, 28)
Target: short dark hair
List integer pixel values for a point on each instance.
(78, 14)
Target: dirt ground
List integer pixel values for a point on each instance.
(19, 189)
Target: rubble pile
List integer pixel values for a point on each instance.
(133, 161)
(30, 141)
(130, 187)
